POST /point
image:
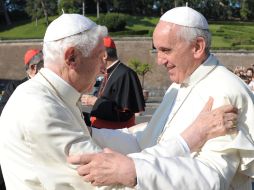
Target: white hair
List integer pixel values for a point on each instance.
(191, 34)
(85, 42)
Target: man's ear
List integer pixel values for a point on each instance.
(33, 69)
(105, 56)
(199, 47)
(70, 57)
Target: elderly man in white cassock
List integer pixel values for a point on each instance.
(182, 40)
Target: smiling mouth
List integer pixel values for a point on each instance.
(169, 68)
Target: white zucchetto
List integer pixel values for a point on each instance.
(67, 25)
(185, 16)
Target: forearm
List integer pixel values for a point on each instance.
(210, 169)
(175, 173)
(120, 140)
(175, 146)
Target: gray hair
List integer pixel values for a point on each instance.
(190, 34)
(85, 42)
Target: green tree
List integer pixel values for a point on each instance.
(247, 9)
(70, 6)
(140, 68)
(39, 8)
(5, 12)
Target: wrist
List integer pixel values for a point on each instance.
(193, 143)
(129, 177)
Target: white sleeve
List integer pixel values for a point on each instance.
(169, 166)
(120, 140)
(175, 146)
(179, 173)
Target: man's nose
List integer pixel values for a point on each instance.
(161, 60)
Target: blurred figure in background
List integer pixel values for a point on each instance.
(247, 75)
(33, 61)
(250, 75)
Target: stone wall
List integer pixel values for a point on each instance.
(12, 67)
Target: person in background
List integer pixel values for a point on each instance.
(33, 61)
(120, 95)
(97, 85)
(182, 40)
(250, 75)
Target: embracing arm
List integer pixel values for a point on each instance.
(110, 167)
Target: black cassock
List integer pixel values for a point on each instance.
(121, 97)
(9, 89)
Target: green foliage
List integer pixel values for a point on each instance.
(150, 32)
(28, 30)
(131, 33)
(225, 35)
(69, 6)
(244, 12)
(140, 68)
(232, 36)
(113, 21)
(35, 10)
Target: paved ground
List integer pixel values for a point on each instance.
(151, 105)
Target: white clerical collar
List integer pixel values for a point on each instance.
(210, 63)
(113, 64)
(65, 90)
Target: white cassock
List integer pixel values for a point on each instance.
(223, 163)
(39, 127)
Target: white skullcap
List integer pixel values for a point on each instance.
(185, 16)
(67, 25)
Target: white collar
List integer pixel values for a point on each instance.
(64, 89)
(113, 64)
(210, 63)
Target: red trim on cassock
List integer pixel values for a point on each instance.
(100, 123)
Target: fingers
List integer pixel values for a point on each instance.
(74, 159)
(83, 170)
(226, 109)
(94, 181)
(231, 131)
(88, 178)
(208, 106)
(227, 126)
(80, 159)
(232, 124)
(230, 120)
(95, 174)
(108, 150)
(84, 100)
(230, 116)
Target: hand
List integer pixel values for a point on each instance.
(88, 100)
(106, 168)
(210, 124)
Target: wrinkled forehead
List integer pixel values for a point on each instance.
(165, 32)
(165, 28)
